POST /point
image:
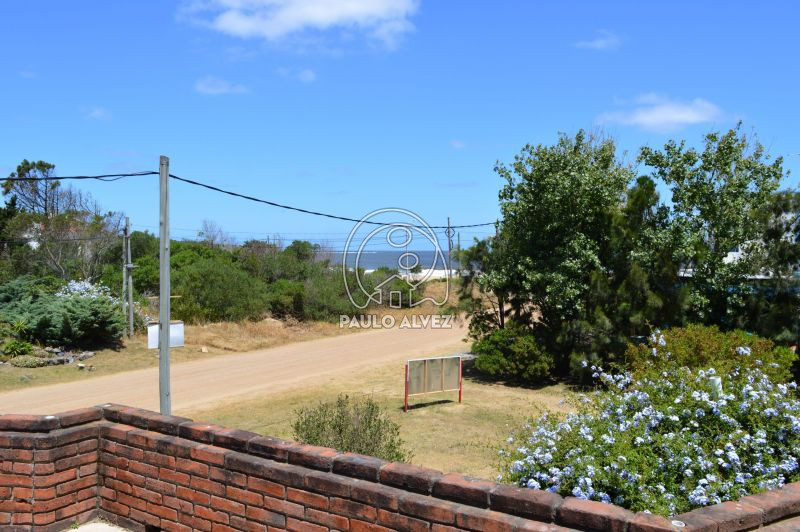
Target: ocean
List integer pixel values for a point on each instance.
(372, 260)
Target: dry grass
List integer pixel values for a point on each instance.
(253, 335)
(442, 433)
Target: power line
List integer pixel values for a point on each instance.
(101, 177)
(306, 211)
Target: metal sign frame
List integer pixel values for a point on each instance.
(432, 367)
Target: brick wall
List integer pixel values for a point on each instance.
(150, 472)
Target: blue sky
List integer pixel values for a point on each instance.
(348, 107)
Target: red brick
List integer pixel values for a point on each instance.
(428, 508)
(328, 483)
(177, 504)
(361, 526)
(284, 507)
(268, 447)
(208, 486)
(303, 526)
(202, 432)
(436, 527)
(225, 505)
(240, 523)
(115, 508)
(146, 494)
(643, 522)
(731, 515)
(466, 490)
(144, 469)
(175, 477)
(161, 511)
(216, 527)
(330, 520)
(133, 502)
(358, 466)
(265, 486)
(79, 416)
(196, 497)
(307, 499)
(190, 466)
(164, 488)
(243, 496)
(593, 514)
(46, 481)
(211, 515)
(312, 456)
(233, 438)
(534, 504)
(376, 495)
(409, 477)
(44, 519)
(75, 485)
(401, 522)
(169, 526)
(265, 516)
(232, 478)
(353, 509)
(775, 504)
(144, 517)
(28, 423)
(130, 478)
(209, 454)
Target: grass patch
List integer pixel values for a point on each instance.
(442, 433)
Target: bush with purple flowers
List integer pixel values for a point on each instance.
(666, 444)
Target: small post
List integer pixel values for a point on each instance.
(405, 400)
(129, 274)
(459, 379)
(165, 400)
(449, 247)
(124, 268)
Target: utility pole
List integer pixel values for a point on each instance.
(165, 399)
(124, 269)
(129, 274)
(449, 247)
(501, 300)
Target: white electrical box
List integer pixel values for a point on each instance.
(175, 334)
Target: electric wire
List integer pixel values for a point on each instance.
(307, 211)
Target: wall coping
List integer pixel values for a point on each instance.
(214, 442)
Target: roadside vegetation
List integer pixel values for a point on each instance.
(681, 316)
(60, 280)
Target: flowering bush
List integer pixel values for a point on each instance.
(86, 289)
(687, 439)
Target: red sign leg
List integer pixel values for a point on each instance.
(405, 400)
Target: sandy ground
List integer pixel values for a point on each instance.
(213, 380)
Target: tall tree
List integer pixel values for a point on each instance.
(716, 195)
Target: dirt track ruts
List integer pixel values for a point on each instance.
(211, 380)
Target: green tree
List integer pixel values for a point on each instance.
(717, 193)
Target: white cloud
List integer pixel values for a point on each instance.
(457, 144)
(274, 20)
(215, 86)
(658, 113)
(304, 75)
(97, 113)
(605, 40)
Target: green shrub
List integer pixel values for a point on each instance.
(78, 315)
(512, 354)
(217, 289)
(286, 298)
(28, 361)
(700, 346)
(353, 425)
(15, 348)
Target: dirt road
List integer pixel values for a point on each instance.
(208, 381)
